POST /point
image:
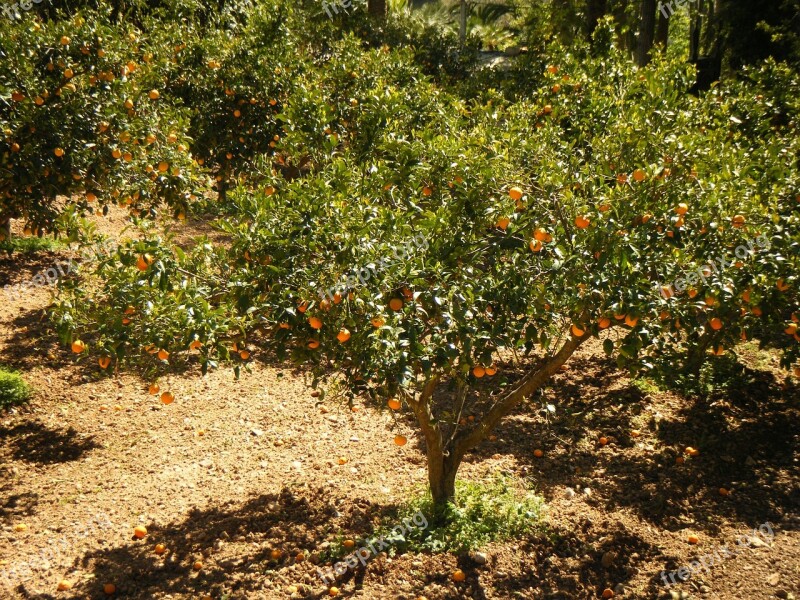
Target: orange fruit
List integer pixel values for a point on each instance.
(313, 344)
(458, 575)
(639, 175)
(535, 245)
(153, 389)
(400, 440)
(538, 453)
(275, 554)
(143, 262)
(581, 222)
(302, 307)
(160, 549)
(715, 323)
(718, 351)
(64, 585)
(427, 191)
(577, 331)
(78, 346)
(478, 371)
(104, 361)
(343, 335)
(377, 322)
(552, 69)
(604, 322)
(197, 565)
(334, 591)
(515, 193)
(154, 95)
(679, 460)
(59, 152)
(349, 544)
(163, 354)
(315, 322)
(167, 398)
(693, 539)
(756, 310)
(195, 345)
(396, 304)
(608, 593)
(128, 104)
(791, 329)
(782, 285)
(269, 190)
(109, 588)
(723, 491)
(491, 370)
(502, 223)
(631, 321)
(244, 355)
(139, 532)
(738, 221)
(547, 109)
(682, 208)
(603, 441)
(692, 451)
(393, 404)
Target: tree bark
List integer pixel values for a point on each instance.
(595, 10)
(662, 31)
(5, 229)
(647, 29)
(377, 8)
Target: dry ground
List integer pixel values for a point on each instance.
(235, 469)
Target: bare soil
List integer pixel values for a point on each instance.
(233, 470)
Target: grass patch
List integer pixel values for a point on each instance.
(486, 511)
(648, 386)
(13, 389)
(30, 244)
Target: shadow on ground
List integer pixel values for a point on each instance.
(33, 442)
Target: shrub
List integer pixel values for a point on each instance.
(13, 389)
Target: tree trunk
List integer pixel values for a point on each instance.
(595, 10)
(377, 8)
(442, 471)
(5, 229)
(647, 30)
(662, 31)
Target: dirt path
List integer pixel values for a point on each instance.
(235, 470)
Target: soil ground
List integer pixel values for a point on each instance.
(233, 470)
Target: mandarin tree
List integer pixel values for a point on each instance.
(611, 206)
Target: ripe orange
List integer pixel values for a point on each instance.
(343, 335)
(604, 322)
(400, 440)
(738, 221)
(631, 321)
(275, 554)
(163, 354)
(691, 451)
(393, 404)
(756, 310)
(782, 285)
(538, 453)
(315, 322)
(104, 361)
(603, 441)
(608, 593)
(139, 532)
(65, 40)
(547, 109)
(396, 304)
(693, 539)
(478, 371)
(197, 565)
(718, 351)
(195, 345)
(552, 69)
(491, 370)
(109, 588)
(427, 191)
(348, 544)
(58, 152)
(577, 331)
(723, 491)
(503, 223)
(639, 175)
(334, 591)
(581, 222)
(377, 322)
(458, 575)
(680, 460)
(167, 398)
(682, 208)
(791, 329)
(313, 344)
(515, 193)
(160, 549)
(153, 95)
(153, 389)
(535, 245)
(64, 585)
(78, 346)
(715, 323)
(143, 262)
(244, 355)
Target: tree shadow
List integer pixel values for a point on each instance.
(33, 442)
(13, 505)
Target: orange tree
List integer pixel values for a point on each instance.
(82, 117)
(470, 233)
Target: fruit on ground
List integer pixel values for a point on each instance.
(139, 532)
(400, 440)
(458, 575)
(78, 346)
(393, 404)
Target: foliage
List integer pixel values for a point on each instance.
(13, 389)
